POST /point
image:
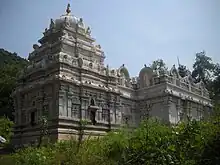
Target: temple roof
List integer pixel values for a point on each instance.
(69, 19)
(124, 70)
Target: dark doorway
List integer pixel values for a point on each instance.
(92, 116)
(92, 110)
(33, 118)
(92, 102)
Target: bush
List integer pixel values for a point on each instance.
(152, 143)
(6, 128)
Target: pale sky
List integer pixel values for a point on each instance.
(131, 32)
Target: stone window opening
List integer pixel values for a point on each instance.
(92, 112)
(92, 116)
(33, 103)
(33, 116)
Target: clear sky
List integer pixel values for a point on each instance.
(131, 32)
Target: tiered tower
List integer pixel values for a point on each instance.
(67, 82)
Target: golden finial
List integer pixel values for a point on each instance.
(68, 9)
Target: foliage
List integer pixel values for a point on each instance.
(10, 65)
(6, 128)
(41, 156)
(203, 68)
(44, 129)
(152, 143)
(159, 65)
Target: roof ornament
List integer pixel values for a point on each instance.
(66, 22)
(68, 9)
(88, 31)
(52, 24)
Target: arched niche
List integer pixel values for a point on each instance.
(92, 110)
(92, 102)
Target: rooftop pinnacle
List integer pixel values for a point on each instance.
(68, 9)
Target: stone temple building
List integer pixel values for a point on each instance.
(67, 82)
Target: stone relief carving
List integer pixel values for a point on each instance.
(80, 22)
(98, 46)
(66, 22)
(88, 31)
(36, 47)
(52, 24)
(174, 72)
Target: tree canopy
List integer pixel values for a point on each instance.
(10, 65)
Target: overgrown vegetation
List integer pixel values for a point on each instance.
(6, 129)
(152, 143)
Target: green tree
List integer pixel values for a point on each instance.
(6, 128)
(203, 68)
(159, 65)
(10, 65)
(216, 83)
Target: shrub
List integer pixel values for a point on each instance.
(152, 143)
(6, 128)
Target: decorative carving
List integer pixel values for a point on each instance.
(88, 31)
(66, 22)
(80, 22)
(52, 24)
(98, 46)
(68, 11)
(107, 70)
(90, 65)
(174, 72)
(36, 47)
(80, 62)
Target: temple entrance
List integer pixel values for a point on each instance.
(33, 119)
(92, 109)
(92, 117)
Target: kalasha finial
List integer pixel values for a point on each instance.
(68, 9)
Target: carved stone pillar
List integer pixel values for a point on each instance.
(55, 102)
(190, 87)
(166, 108)
(19, 101)
(187, 109)
(179, 110)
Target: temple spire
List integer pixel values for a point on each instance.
(68, 9)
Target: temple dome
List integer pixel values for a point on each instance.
(145, 70)
(70, 19)
(145, 76)
(123, 70)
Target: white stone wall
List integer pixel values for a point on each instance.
(173, 113)
(160, 111)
